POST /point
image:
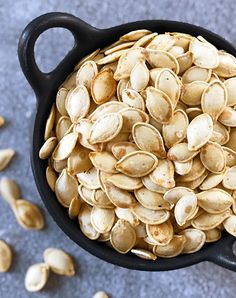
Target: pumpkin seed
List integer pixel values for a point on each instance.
(193, 112)
(119, 46)
(230, 224)
(107, 108)
(65, 146)
(212, 235)
(59, 165)
(230, 157)
(131, 116)
(199, 131)
(230, 87)
(196, 73)
(85, 222)
(232, 139)
(149, 184)
(143, 254)
(144, 40)
(86, 194)
(168, 82)
(183, 168)
(194, 183)
(123, 236)
(176, 129)
(9, 190)
(148, 138)
(185, 61)
(139, 76)
(47, 148)
(5, 256)
(180, 152)
(120, 149)
(36, 277)
(77, 103)
(211, 181)
(214, 200)
(113, 57)
(100, 294)
(70, 81)
(137, 164)
(162, 42)
(79, 160)
(127, 61)
(172, 249)
(60, 101)
(6, 156)
(228, 117)
(103, 161)
(192, 92)
(2, 121)
(74, 208)
(207, 221)
(195, 239)
(119, 197)
(103, 86)
(214, 99)
(127, 215)
(86, 73)
(160, 234)
(227, 65)
(204, 54)
(83, 129)
(50, 123)
(149, 216)
(105, 128)
(185, 208)
(125, 182)
(151, 200)
(62, 127)
(220, 134)
(173, 195)
(163, 174)
(100, 199)
(159, 105)
(133, 99)
(89, 178)
(28, 215)
(102, 219)
(65, 188)
(213, 158)
(176, 51)
(59, 261)
(229, 180)
(196, 171)
(161, 59)
(134, 35)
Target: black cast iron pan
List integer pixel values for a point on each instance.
(45, 86)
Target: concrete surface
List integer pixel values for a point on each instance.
(17, 102)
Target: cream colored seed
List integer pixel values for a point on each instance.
(59, 261)
(36, 277)
(5, 256)
(6, 156)
(2, 121)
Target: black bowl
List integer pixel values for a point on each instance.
(45, 86)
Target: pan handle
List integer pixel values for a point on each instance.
(222, 253)
(83, 33)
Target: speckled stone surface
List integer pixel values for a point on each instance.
(17, 103)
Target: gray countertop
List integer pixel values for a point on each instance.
(17, 103)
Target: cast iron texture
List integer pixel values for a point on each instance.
(45, 86)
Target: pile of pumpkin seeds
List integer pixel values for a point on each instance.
(141, 144)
